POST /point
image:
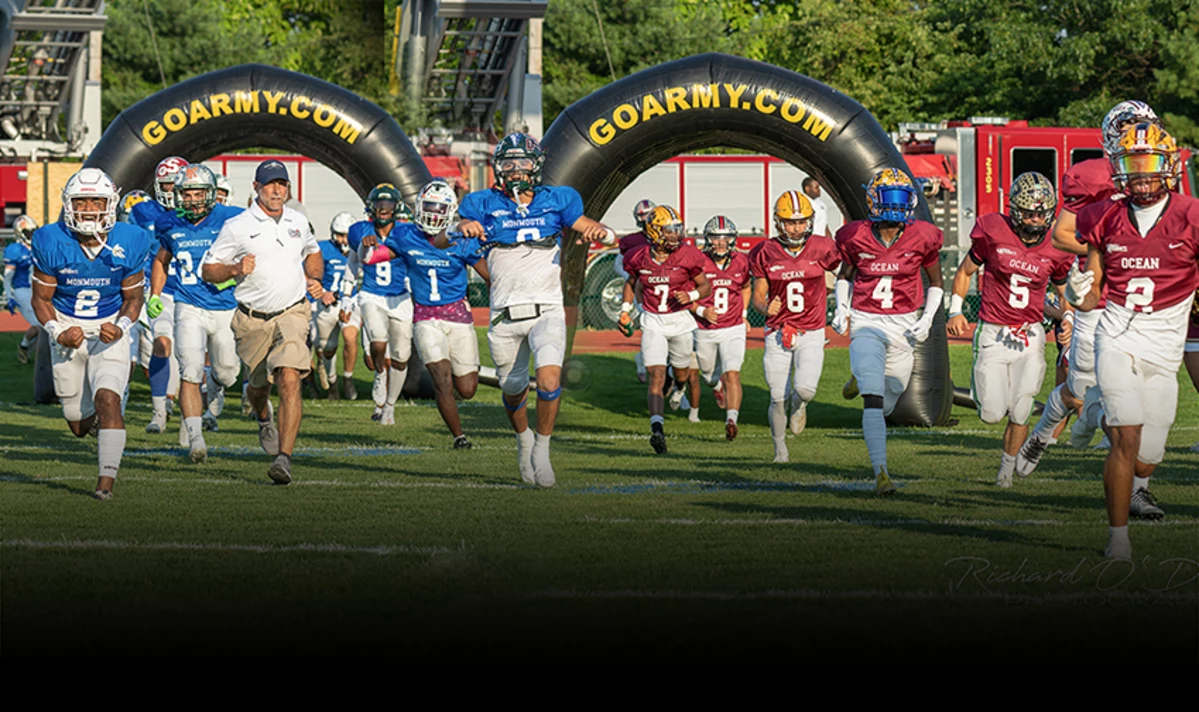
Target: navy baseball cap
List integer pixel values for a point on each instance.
(271, 170)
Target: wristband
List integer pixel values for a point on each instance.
(744, 313)
(51, 328)
(699, 311)
(1069, 316)
(626, 307)
(124, 323)
(955, 304)
(693, 295)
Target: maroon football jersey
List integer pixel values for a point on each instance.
(1085, 183)
(632, 241)
(797, 280)
(887, 279)
(726, 297)
(1146, 273)
(1015, 275)
(659, 281)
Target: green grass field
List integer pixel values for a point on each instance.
(391, 543)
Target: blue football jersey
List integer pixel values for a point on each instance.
(385, 278)
(335, 267)
(19, 256)
(553, 208)
(437, 276)
(87, 288)
(187, 244)
(145, 215)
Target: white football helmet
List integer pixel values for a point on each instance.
(222, 183)
(436, 206)
(164, 175)
(1121, 116)
(90, 183)
(24, 227)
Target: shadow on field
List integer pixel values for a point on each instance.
(8, 479)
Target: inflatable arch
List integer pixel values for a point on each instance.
(602, 142)
(254, 105)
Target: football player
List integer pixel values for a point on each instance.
(203, 311)
(87, 291)
(328, 322)
(627, 244)
(386, 304)
(1086, 183)
(1141, 250)
(525, 220)
(224, 190)
(445, 330)
(160, 307)
(1009, 344)
(720, 339)
(18, 261)
(790, 289)
(883, 257)
(672, 276)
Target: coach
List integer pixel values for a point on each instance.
(273, 256)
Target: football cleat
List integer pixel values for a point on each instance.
(388, 417)
(781, 455)
(348, 391)
(799, 418)
(850, 390)
(693, 415)
(245, 399)
(1118, 549)
(209, 422)
(377, 414)
(22, 354)
(332, 393)
(102, 494)
(322, 378)
(280, 470)
(730, 431)
(216, 402)
(268, 437)
(1004, 480)
(882, 483)
(657, 441)
(461, 443)
(718, 394)
(1144, 506)
(199, 451)
(1030, 455)
(158, 423)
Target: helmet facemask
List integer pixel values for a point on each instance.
(1145, 164)
(435, 207)
(793, 232)
(1032, 203)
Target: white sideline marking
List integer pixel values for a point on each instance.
(266, 483)
(379, 550)
(870, 594)
(852, 522)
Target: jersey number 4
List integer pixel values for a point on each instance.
(882, 292)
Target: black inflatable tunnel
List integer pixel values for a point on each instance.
(602, 142)
(254, 105)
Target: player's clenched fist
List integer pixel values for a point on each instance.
(775, 306)
(957, 325)
(72, 338)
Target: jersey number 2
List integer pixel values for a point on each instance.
(1140, 294)
(86, 301)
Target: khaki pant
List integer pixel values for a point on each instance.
(267, 345)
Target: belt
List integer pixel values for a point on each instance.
(266, 316)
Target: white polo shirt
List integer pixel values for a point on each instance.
(820, 215)
(279, 249)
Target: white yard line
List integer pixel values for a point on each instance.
(871, 594)
(92, 544)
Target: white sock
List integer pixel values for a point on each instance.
(347, 374)
(379, 389)
(874, 428)
(656, 419)
(330, 368)
(1007, 465)
(25, 342)
(694, 413)
(1140, 483)
(395, 384)
(777, 416)
(526, 441)
(541, 447)
(110, 448)
(1092, 409)
(173, 383)
(1113, 533)
(195, 431)
(1055, 412)
(732, 414)
(160, 404)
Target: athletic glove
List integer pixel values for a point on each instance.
(626, 324)
(11, 306)
(154, 306)
(1078, 285)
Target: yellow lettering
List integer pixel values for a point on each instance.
(153, 133)
(348, 131)
(174, 119)
(817, 127)
(763, 107)
(219, 104)
(601, 132)
(650, 108)
(295, 107)
(246, 102)
(199, 112)
(704, 97)
(676, 99)
(735, 93)
(324, 116)
(272, 100)
(793, 110)
(625, 116)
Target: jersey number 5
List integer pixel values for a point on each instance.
(1019, 292)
